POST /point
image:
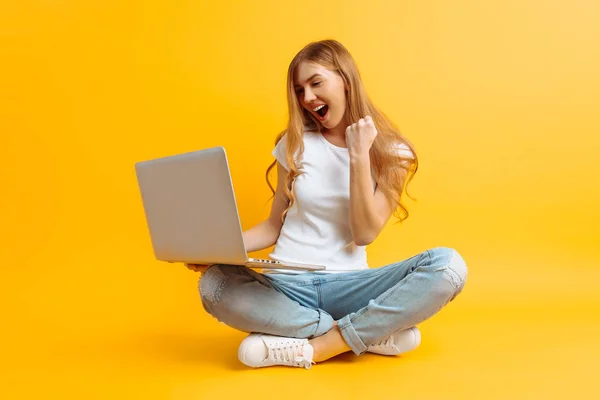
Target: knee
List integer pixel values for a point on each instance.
(219, 292)
(211, 287)
(446, 258)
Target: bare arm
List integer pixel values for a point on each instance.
(265, 234)
(369, 212)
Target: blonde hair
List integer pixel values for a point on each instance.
(392, 171)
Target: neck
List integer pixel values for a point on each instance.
(338, 132)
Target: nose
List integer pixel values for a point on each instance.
(309, 96)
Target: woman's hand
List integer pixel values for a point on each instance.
(360, 137)
(197, 267)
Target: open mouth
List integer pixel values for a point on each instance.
(322, 112)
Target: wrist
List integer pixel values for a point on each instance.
(360, 158)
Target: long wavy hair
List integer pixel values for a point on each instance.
(392, 171)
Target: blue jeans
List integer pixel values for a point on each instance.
(368, 305)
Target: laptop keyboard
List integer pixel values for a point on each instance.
(261, 260)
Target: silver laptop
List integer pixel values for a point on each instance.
(191, 212)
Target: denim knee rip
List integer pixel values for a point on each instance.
(456, 269)
(212, 283)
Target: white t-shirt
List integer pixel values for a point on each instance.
(317, 226)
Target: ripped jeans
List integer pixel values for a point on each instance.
(368, 305)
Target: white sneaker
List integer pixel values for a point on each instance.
(397, 343)
(259, 350)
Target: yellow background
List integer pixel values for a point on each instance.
(501, 99)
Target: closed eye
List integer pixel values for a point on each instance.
(300, 90)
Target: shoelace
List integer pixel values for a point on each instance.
(288, 353)
(387, 342)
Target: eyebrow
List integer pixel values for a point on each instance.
(317, 74)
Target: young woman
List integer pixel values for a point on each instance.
(342, 168)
